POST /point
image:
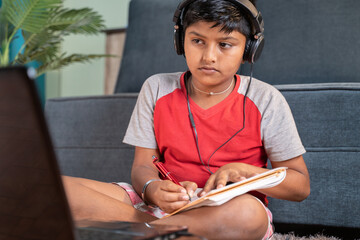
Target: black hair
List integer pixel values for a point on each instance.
(223, 13)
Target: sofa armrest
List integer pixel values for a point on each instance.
(87, 134)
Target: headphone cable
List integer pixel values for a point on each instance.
(195, 131)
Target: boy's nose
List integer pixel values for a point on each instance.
(209, 55)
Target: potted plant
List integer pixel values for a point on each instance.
(44, 24)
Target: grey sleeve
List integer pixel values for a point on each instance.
(279, 133)
(140, 131)
(278, 130)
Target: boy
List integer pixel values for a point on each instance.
(210, 126)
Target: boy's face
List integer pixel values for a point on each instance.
(213, 56)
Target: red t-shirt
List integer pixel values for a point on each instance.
(161, 120)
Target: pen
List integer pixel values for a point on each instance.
(165, 173)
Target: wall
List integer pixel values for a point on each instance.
(87, 78)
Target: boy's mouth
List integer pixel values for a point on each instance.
(208, 70)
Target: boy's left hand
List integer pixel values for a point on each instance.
(232, 172)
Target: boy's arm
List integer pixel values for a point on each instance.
(165, 194)
(142, 169)
(295, 187)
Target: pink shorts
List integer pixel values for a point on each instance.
(139, 204)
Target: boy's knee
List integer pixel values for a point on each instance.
(241, 218)
(246, 219)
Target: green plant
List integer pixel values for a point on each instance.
(44, 24)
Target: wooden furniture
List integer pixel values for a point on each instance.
(115, 40)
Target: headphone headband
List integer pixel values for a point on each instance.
(253, 14)
(253, 46)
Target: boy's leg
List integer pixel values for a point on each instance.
(94, 200)
(243, 217)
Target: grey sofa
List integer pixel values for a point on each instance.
(307, 55)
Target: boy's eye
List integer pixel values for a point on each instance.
(197, 41)
(225, 45)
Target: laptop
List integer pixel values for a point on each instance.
(33, 203)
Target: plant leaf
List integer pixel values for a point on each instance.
(64, 60)
(44, 24)
(82, 21)
(42, 47)
(29, 15)
(3, 27)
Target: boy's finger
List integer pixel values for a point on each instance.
(169, 186)
(171, 207)
(190, 187)
(209, 185)
(220, 183)
(221, 180)
(235, 177)
(171, 197)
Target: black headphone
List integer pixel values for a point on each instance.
(254, 45)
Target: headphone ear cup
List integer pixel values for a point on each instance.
(253, 49)
(179, 40)
(246, 55)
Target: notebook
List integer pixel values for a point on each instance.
(220, 196)
(33, 204)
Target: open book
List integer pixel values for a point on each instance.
(219, 196)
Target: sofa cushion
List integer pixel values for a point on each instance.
(309, 41)
(87, 133)
(327, 118)
(149, 47)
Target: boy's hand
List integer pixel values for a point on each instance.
(168, 195)
(232, 172)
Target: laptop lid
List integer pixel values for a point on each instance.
(33, 203)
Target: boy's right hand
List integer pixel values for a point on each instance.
(168, 195)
